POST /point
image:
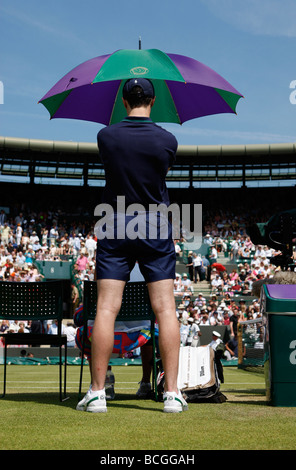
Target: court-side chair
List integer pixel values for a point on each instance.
(135, 306)
(34, 301)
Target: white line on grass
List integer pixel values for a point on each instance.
(69, 389)
(55, 382)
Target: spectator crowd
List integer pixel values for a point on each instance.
(29, 237)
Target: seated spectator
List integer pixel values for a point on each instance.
(204, 318)
(215, 318)
(186, 290)
(208, 240)
(200, 300)
(181, 312)
(186, 299)
(236, 287)
(227, 297)
(23, 328)
(177, 285)
(195, 314)
(233, 275)
(185, 280)
(260, 251)
(4, 326)
(231, 351)
(246, 289)
(217, 283)
(242, 275)
(53, 328)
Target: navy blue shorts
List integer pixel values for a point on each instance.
(156, 256)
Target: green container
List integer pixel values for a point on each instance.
(55, 269)
(278, 307)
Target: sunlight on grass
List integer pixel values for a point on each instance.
(32, 417)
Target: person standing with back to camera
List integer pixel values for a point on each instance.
(137, 155)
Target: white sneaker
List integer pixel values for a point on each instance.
(174, 402)
(144, 390)
(94, 402)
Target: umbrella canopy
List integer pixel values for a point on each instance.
(219, 267)
(185, 88)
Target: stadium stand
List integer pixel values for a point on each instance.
(50, 190)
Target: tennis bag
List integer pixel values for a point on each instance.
(198, 377)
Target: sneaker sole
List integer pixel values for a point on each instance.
(80, 408)
(83, 408)
(98, 410)
(172, 410)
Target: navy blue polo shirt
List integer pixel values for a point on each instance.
(136, 154)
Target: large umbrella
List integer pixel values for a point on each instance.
(185, 88)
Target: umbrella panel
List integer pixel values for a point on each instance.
(81, 75)
(196, 72)
(193, 101)
(125, 64)
(54, 102)
(90, 103)
(164, 109)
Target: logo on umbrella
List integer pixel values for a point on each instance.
(139, 70)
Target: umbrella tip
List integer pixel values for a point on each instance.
(140, 43)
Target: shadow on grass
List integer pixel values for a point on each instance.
(246, 397)
(122, 401)
(53, 398)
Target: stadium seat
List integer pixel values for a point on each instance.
(135, 306)
(34, 301)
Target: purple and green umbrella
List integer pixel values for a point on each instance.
(185, 88)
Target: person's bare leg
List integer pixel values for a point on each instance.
(163, 304)
(109, 302)
(146, 356)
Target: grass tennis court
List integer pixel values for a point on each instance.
(33, 418)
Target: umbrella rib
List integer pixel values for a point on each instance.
(173, 101)
(114, 102)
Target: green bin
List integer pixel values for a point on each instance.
(278, 308)
(55, 269)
